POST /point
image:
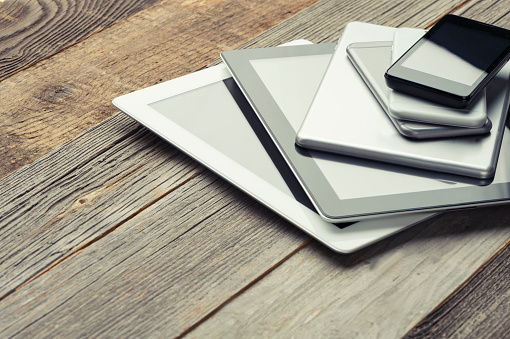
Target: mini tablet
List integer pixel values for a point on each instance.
(407, 107)
(190, 112)
(346, 188)
(371, 60)
(453, 62)
(343, 102)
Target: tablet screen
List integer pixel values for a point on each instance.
(223, 111)
(213, 117)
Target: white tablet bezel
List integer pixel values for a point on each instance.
(343, 240)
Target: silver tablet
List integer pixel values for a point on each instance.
(344, 118)
(371, 60)
(277, 82)
(203, 114)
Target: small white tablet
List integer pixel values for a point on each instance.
(346, 188)
(371, 60)
(406, 107)
(204, 115)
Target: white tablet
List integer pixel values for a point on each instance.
(203, 114)
(345, 188)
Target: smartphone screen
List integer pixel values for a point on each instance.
(456, 53)
(452, 63)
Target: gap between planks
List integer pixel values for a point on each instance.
(415, 330)
(93, 240)
(246, 288)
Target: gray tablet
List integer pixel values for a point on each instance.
(372, 59)
(278, 82)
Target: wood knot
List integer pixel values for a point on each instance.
(56, 93)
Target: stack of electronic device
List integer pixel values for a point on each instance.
(313, 132)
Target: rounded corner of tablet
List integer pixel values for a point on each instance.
(301, 140)
(311, 143)
(411, 132)
(223, 54)
(487, 173)
(117, 102)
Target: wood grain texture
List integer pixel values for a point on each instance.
(34, 30)
(339, 13)
(490, 11)
(74, 196)
(480, 309)
(60, 97)
(165, 263)
(390, 13)
(152, 243)
(377, 293)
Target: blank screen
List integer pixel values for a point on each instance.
(217, 120)
(457, 53)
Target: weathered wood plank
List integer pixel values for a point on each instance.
(480, 309)
(34, 30)
(491, 11)
(60, 97)
(377, 293)
(139, 264)
(74, 196)
(110, 253)
(405, 13)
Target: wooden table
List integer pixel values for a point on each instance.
(107, 231)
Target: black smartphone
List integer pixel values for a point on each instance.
(453, 61)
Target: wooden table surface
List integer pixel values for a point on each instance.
(108, 231)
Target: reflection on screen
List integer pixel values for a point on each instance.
(436, 60)
(217, 120)
(457, 53)
(284, 78)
